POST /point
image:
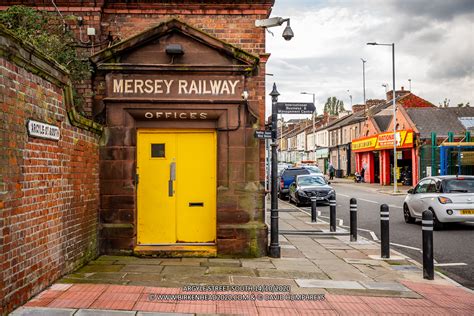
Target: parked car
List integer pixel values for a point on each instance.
(451, 198)
(287, 177)
(311, 186)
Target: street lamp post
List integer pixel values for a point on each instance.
(314, 128)
(350, 97)
(363, 81)
(274, 249)
(394, 116)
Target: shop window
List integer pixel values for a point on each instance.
(157, 150)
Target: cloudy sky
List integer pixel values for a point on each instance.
(434, 47)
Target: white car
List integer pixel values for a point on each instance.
(451, 198)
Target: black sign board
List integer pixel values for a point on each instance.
(263, 134)
(295, 108)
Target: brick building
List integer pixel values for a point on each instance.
(177, 171)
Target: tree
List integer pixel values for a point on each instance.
(333, 106)
(464, 105)
(445, 103)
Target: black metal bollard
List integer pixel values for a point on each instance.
(353, 218)
(332, 215)
(314, 211)
(384, 231)
(427, 229)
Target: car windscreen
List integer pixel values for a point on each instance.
(458, 185)
(314, 169)
(295, 172)
(311, 181)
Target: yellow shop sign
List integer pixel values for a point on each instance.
(366, 143)
(404, 139)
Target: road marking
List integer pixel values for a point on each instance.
(404, 246)
(374, 237)
(452, 264)
(342, 195)
(369, 201)
(396, 206)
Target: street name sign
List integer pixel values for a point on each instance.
(295, 108)
(43, 130)
(263, 134)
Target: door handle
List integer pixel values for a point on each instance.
(172, 178)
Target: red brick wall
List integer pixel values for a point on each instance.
(48, 189)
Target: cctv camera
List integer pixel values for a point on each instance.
(288, 33)
(245, 95)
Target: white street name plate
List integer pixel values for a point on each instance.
(43, 130)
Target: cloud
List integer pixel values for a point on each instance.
(442, 10)
(433, 47)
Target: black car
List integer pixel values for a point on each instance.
(310, 186)
(287, 177)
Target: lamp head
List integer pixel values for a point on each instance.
(373, 43)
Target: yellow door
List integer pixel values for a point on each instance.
(176, 197)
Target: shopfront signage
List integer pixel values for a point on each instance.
(172, 87)
(295, 108)
(364, 144)
(43, 130)
(404, 139)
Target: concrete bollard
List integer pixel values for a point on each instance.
(332, 215)
(384, 231)
(353, 219)
(427, 236)
(314, 211)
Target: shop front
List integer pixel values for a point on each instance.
(180, 168)
(375, 159)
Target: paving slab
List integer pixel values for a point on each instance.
(386, 286)
(142, 268)
(38, 311)
(363, 261)
(258, 264)
(290, 274)
(231, 271)
(162, 314)
(102, 312)
(101, 268)
(393, 258)
(329, 284)
(171, 271)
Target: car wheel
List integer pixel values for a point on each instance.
(407, 216)
(437, 225)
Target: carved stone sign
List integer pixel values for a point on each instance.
(43, 130)
(174, 87)
(173, 114)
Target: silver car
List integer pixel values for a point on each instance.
(451, 198)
